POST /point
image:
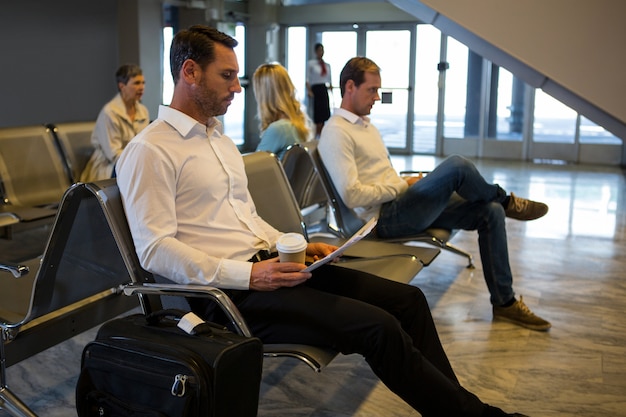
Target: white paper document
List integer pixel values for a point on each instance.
(360, 234)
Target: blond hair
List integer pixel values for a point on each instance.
(276, 99)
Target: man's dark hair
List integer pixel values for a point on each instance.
(355, 70)
(198, 44)
(126, 72)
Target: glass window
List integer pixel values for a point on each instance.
(234, 118)
(554, 121)
(296, 59)
(388, 48)
(510, 106)
(168, 82)
(426, 89)
(592, 133)
(456, 88)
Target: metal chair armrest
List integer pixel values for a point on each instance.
(183, 290)
(314, 356)
(16, 269)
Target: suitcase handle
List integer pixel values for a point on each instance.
(163, 315)
(207, 327)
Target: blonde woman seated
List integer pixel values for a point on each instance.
(282, 121)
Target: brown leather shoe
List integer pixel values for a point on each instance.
(524, 209)
(520, 314)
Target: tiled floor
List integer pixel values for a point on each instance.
(569, 266)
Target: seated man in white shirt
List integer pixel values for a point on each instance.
(453, 196)
(184, 190)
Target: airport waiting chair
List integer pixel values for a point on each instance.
(31, 169)
(276, 204)
(8, 219)
(73, 140)
(347, 221)
(74, 286)
(153, 294)
(306, 186)
(32, 174)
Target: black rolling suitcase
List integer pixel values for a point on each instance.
(145, 367)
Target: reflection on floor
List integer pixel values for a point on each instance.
(569, 266)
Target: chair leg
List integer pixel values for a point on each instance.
(11, 403)
(444, 244)
(454, 249)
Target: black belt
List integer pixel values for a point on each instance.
(262, 255)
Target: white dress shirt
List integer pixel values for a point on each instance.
(314, 73)
(185, 194)
(357, 161)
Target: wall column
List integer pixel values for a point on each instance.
(262, 45)
(141, 42)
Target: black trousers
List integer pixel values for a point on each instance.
(389, 323)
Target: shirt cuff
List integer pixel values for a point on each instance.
(235, 275)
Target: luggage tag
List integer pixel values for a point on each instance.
(191, 324)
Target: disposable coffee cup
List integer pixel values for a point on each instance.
(291, 247)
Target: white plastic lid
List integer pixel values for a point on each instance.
(291, 243)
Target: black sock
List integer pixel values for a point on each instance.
(509, 303)
(491, 411)
(505, 202)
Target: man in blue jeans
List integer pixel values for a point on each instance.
(453, 196)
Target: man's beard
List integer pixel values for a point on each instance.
(207, 100)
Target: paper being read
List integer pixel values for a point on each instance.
(360, 234)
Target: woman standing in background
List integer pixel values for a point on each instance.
(318, 82)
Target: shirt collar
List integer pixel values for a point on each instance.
(351, 117)
(184, 124)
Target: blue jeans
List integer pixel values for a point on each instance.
(456, 196)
